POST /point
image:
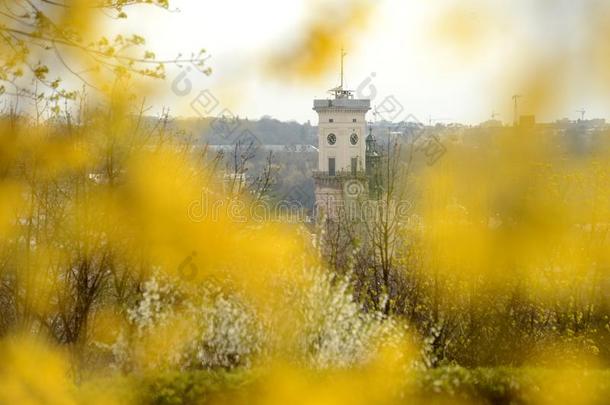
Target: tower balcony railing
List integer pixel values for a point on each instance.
(340, 175)
(348, 103)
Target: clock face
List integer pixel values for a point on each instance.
(332, 139)
(353, 138)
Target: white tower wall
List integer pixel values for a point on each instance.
(343, 118)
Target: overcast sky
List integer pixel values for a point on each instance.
(407, 45)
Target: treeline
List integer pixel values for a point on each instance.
(267, 130)
(495, 254)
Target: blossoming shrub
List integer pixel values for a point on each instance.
(220, 328)
(217, 329)
(335, 332)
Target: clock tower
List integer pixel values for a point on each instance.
(341, 177)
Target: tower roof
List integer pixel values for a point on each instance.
(342, 104)
(371, 144)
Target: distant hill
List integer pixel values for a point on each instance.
(267, 130)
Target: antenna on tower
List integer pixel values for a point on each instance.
(582, 114)
(340, 92)
(343, 54)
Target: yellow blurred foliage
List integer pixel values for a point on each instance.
(382, 381)
(523, 209)
(315, 52)
(31, 373)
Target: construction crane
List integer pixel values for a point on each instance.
(516, 98)
(582, 114)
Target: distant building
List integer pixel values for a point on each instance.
(527, 121)
(493, 123)
(301, 148)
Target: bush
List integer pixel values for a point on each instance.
(196, 387)
(481, 385)
(221, 329)
(517, 385)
